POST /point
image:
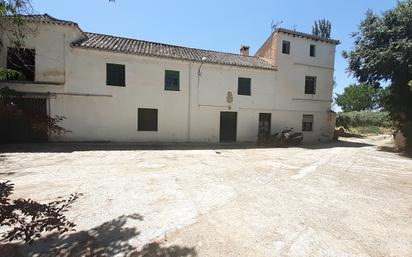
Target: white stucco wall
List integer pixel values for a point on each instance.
(109, 113)
(51, 44)
(292, 70)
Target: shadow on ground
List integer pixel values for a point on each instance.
(337, 143)
(343, 133)
(392, 149)
(109, 239)
(73, 147)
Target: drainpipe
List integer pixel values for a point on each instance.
(199, 73)
(189, 102)
(190, 96)
(48, 103)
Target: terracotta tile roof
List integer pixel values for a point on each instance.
(154, 49)
(47, 19)
(301, 34)
(146, 48)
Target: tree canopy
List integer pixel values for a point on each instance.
(11, 21)
(382, 51)
(11, 12)
(322, 28)
(360, 97)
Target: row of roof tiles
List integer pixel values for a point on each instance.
(147, 48)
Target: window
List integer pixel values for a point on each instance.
(172, 81)
(115, 75)
(22, 60)
(307, 123)
(310, 85)
(243, 86)
(286, 47)
(312, 51)
(146, 119)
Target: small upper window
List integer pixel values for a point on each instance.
(23, 61)
(172, 80)
(310, 85)
(307, 123)
(312, 51)
(243, 86)
(115, 75)
(286, 47)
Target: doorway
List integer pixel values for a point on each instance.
(265, 123)
(228, 126)
(22, 116)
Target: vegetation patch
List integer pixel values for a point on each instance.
(365, 119)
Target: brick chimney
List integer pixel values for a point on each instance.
(244, 50)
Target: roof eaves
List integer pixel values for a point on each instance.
(47, 19)
(306, 35)
(270, 67)
(192, 52)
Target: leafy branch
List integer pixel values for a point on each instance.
(26, 219)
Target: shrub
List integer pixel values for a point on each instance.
(363, 119)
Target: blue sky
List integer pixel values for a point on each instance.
(221, 25)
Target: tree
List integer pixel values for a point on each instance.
(322, 28)
(382, 51)
(362, 97)
(11, 21)
(25, 219)
(11, 114)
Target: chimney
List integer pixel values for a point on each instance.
(244, 50)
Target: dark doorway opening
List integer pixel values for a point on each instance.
(228, 126)
(19, 117)
(265, 123)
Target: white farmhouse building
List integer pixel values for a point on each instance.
(118, 89)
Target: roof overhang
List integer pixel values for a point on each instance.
(308, 36)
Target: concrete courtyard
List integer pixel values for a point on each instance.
(350, 198)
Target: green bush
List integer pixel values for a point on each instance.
(363, 119)
(370, 130)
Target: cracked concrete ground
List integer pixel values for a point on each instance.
(348, 198)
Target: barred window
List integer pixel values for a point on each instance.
(286, 47)
(310, 85)
(307, 123)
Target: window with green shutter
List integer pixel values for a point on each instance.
(115, 75)
(172, 80)
(243, 87)
(146, 119)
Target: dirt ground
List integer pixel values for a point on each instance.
(350, 198)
